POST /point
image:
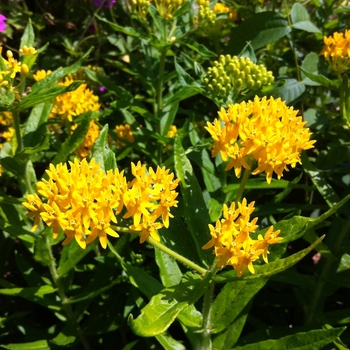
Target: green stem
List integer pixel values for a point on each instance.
(65, 302)
(165, 249)
(17, 126)
(208, 296)
(244, 180)
(326, 268)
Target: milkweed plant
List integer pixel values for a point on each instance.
(174, 175)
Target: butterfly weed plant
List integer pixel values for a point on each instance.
(175, 175)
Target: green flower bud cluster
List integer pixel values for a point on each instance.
(205, 3)
(206, 16)
(140, 7)
(236, 73)
(167, 8)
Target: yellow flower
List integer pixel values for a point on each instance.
(172, 131)
(6, 131)
(25, 50)
(336, 50)
(124, 132)
(83, 201)
(232, 242)
(41, 74)
(263, 131)
(222, 8)
(74, 103)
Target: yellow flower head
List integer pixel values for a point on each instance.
(25, 50)
(41, 74)
(13, 66)
(6, 130)
(265, 131)
(336, 50)
(140, 7)
(83, 200)
(172, 131)
(74, 103)
(232, 242)
(124, 132)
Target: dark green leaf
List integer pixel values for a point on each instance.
(196, 213)
(170, 274)
(315, 339)
(289, 91)
(41, 252)
(260, 30)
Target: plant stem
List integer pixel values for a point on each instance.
(165, 249)
(244, 180)
(17, 126)
(206, 340)
(62, 294)
(326, 268)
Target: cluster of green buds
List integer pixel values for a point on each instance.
(206, 16)
(236, 73)
(140, 7)
(167, 8)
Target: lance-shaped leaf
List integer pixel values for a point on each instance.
(101, 151)
(195, 212)
(28, 36)
(163, 308)
(315, 339)
(35, 345)
(230, 302)
(268, 269)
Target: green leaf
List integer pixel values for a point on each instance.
(28, 36)
(169, 343)
(161, 311)
(51, 80)
(345, 100)
(36, 345)
(289, 91)
(195, 211)
(44, 95)
(310, 64)
(301, 19)
(125, 30)
(201, 49)
(268, 269)
(260, 30)
(41, 252)
(74, 140)
(170, 274)
(322, 80)
(30, 292)
(35, 129)
(183, 94)
(315, 339)
(101, 151)
(169, 113)
(230, 302)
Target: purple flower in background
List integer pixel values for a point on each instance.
(106, 3)
(2, 23)
(102, 89)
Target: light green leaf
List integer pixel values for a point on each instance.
(301, 19)
(36, 345)
(169, 343)
(30, 292)
(161, 311)
(289, 91)
(201, 49)
(170, 274)
(315, 339)
(345, 99)
(310, 64)
(269, 269)
(28, 36)
(101, 151)
(195, 211)
(306, 26)
(322, 80)
(41, 252)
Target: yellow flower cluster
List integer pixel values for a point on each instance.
(25, 50)
(172, 131)
(124, 132)
(41, 74)
(337, 50)
(222, 8)
(6, 131)
(84, 200)
(74, 103)
(232, 242)
(263, 130)
(91, 136)
(167, 8)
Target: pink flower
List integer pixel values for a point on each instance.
(2, 23)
